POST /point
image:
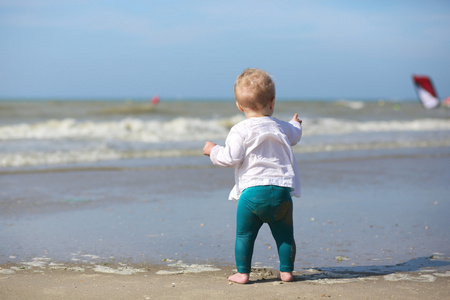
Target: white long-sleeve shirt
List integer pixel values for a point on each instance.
(260, 151)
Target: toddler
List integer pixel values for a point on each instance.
(266, 174)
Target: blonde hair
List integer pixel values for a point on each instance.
(254, 89)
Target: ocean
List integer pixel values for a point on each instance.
(96, 182)
(70, 133)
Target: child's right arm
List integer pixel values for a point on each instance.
(228, 156)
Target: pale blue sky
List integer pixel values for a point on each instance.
(195, 49)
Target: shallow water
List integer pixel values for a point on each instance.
(359, 209)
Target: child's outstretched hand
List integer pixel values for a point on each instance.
(295, 118)
(208, 147)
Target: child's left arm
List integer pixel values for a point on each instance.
(295, 118)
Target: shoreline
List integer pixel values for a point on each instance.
(121, 281)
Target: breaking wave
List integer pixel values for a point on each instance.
(69, 140)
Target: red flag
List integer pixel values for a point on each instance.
(155, 100)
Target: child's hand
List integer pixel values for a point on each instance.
(295, 118)
(208, 147)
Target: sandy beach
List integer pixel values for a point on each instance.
(71, 284)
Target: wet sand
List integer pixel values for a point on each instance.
(370, 224)
(58, 284)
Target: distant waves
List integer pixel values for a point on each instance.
(68, 140)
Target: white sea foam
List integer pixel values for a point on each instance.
(122, 270)
(410, 277)
(351, 104)
(40, 262)
(182, 268)
(69, 141)
(130, 129)
(337, 126)
(84, 156)
(191, 129)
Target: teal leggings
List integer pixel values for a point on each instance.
(265, 204)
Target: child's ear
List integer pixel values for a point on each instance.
(239, 107)
(272, 103)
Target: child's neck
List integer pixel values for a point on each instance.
(266, 112)
(252, 114)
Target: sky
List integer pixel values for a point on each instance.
(320, 49)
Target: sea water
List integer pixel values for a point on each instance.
(49, 133)
(126, 181)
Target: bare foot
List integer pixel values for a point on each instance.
(239, 278)
(286, 276)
